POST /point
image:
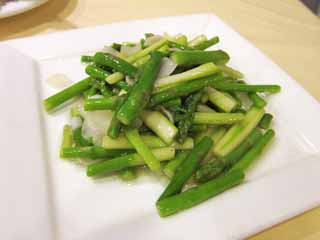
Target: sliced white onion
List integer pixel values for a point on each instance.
(108, 49)
(167, 67)
(75, 122)
(59, 81)
(122, 92)
(96, 124)
(95, 96)
(167, 114)
(129, 50)
(151, 40)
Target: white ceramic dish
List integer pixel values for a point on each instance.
(44, 197)
(12, 8)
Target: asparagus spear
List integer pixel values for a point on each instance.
(216, 166)
(172, 103)
(173, 164)
(198, 128)
(86, 59)
(204, 108)
(96, 72)
(115, 124)
(160, 125)
(183, 89)
(203, 70)
(90, 92)
(108, 103)
(139, 95)
(195, 57)
(117, 76)
(130, 160)
(178, 46)
(142, 149)
(123, 85)
(238, 132)
(190, 107)
(116, 63)
(231, 72)
(151, 141)
(67, 139)
(197, 40)
(265, 121)
(217, 118)
(79, 139)
(187, 168)
(244, 163)
(257, 100)
(92, 152)
(239, 87)
(222, 101)
(66, 94)
(206, 44)
(196, 195)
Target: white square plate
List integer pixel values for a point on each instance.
(44, 197)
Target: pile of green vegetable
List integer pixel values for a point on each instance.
(176, 108)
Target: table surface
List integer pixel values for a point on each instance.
(285, 30)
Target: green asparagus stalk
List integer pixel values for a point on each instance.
(173, 164)
(222, 101)
(265, 121)
(198, 128)
(239, 87)
(179, 46)
(108, 103)
(116, 63)
(139, 95)
(197, 40)
(257, 100)
(231, 72)
(190, 107)
(142, 149)
(238, 132)
(196, 57)
(151, 141)
(66, 94)
(172, 103)
(123, 85)
(204, 98)
(216, 166)
(183, 89)
(117, 76)
(196, 195)
(206, 44)
(203, 70)
(67, 139)
(127, 161)
(160, 125)
(115, 124)
(245, 162)
(187, 168)
(204, 108)
(79, 139)
(217, 118)
(96, 72)
(90, 92)
(92, 152)
(86, 59)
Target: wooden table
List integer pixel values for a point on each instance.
(284, 30)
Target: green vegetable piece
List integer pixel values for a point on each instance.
(67, 139)
(257, 100)
(197, 40)
(86, 59)
(130, 160)
(221, 100)
(196, 57)
(96, 72)
(108, 103)
(245, 162)
(116, 63)
(187, 168)
(240, 87)
(231, 72)
(196, 195)
(212, 118)
(79, 139)
(140, 93)
(266, 120)
(207, 44)
(173, 164)
(238, 132)
(142, 149)
(66, 94)
(127, 174)
(92, 152)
